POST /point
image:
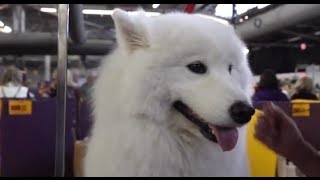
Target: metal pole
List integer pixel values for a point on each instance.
(63, 17)
(234, 14)
(18, 17)
(276, 19)
(76, 26)
(23, 20)
(46, 44)
(47, 67)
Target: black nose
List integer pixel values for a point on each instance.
(241, 112)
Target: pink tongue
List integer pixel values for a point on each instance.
(227, 137)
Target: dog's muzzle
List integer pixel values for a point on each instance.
(226, 137)
(194, 118)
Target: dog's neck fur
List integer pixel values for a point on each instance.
(180, 138)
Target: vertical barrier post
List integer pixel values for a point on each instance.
(63, 18)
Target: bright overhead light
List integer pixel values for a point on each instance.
(96, 12)
(1, 24)
(225, 10)
(317, 33)
(48, 10)
(303, 46)
(246, 51)
(155, 6)
(214, 18)
(242, 8)
(6, 29)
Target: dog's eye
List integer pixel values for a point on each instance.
(230, 68)
(197, 67)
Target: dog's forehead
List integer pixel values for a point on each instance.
(192, 25)
(189, 35)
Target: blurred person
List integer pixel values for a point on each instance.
(317, 87)
(285, 88)
(85, 90)
(76, 75)
(12, 86)
(304, 89)
(43, 89)
(268, 88)
(71, 85)
(280, 133)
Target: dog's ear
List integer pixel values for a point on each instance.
(130, 31)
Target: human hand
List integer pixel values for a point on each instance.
(278, 131)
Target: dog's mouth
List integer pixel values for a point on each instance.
(226, 137)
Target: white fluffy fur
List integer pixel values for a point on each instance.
(136, 130)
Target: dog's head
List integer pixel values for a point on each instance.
(191, 65)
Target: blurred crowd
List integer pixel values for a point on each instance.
(16, 84)
(270, 88)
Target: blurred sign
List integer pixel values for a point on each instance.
(300, 110)
(20, 107)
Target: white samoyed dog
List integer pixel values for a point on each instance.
(172, 99)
